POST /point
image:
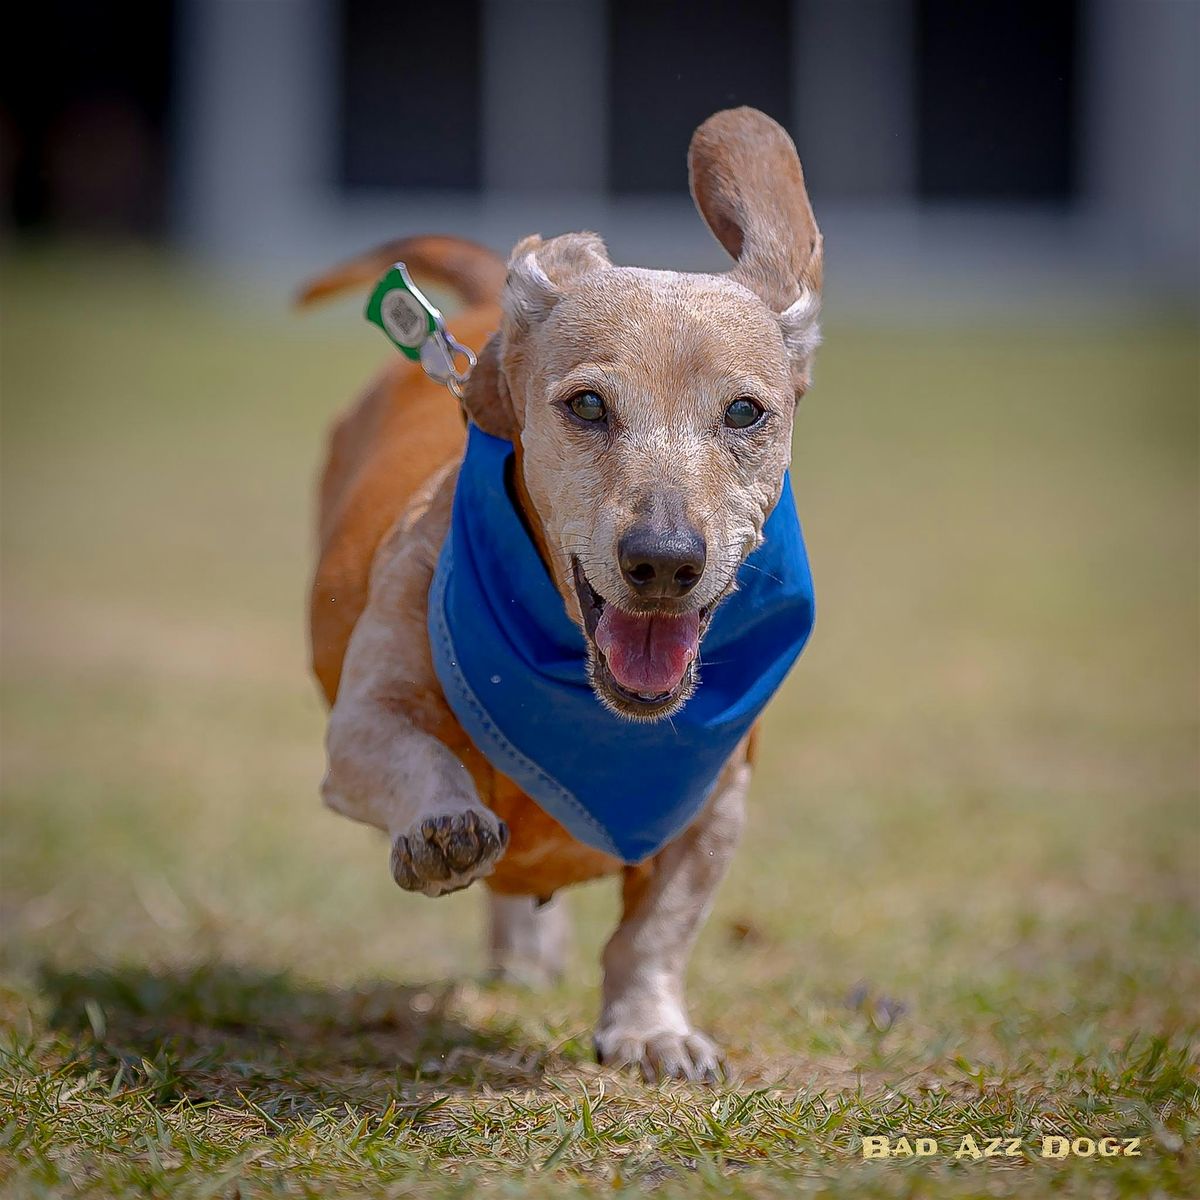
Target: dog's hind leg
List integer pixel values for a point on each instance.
(527, 939)
(644, 1021)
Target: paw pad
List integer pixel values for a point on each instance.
(445, 854)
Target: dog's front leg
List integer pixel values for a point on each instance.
(385, 772)
(384, 769)
(644, 1020)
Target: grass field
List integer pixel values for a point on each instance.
(966, 903)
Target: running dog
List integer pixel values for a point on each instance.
(546, 632)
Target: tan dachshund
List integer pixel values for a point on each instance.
(566, 339)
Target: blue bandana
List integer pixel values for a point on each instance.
(513, 667)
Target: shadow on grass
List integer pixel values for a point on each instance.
(223, 1033)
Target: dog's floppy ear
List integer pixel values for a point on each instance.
(485, 396)
(539, 272)
(747, 183)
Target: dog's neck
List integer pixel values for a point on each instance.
(526, 511)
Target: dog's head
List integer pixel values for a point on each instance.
(652, 410)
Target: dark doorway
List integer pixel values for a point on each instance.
(996, 99)
(84, 112)
(672, 63)
(410, 94)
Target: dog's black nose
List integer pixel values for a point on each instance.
(662, 563)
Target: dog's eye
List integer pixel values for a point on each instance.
(587, 406)
(743, 412)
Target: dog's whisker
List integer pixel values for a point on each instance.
(762, 571)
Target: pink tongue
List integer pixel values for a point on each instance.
(648, 655)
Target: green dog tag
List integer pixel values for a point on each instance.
(402, 312)
(417, 330)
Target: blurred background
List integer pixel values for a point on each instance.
(978, 153)
(978, 793)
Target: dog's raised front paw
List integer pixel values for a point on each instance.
(439, 855)
(661, 1056)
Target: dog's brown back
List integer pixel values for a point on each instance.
(393, 439)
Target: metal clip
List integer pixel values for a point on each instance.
(438, 359)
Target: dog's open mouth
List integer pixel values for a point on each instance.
(644, 664)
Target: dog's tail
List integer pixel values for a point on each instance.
(473, 272)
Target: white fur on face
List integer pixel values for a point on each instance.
(667, 352)
(801, 332)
